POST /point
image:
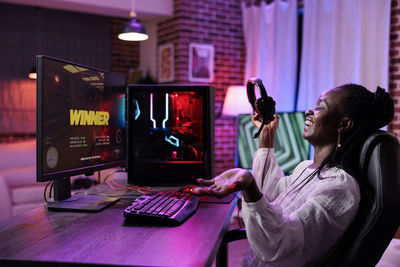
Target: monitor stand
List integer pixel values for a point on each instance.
(63, 201)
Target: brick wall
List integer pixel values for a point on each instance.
(394, 67)
(219, 23)
(124, 55)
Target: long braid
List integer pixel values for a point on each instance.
(369, 113)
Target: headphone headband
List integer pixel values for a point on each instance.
(251, 86)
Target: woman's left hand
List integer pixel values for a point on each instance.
(267, 134)
(228, 182)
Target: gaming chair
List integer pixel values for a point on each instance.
(378, 217)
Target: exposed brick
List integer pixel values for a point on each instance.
(395, 12)
(394, 75)
(218, 22)
(125, 55)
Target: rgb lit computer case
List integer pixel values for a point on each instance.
(170, 133)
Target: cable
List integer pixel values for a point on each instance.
(111, 173)
(141, 189)
(45, 191)
(98, 177)
(110, 181)
(51, 188)
(269, 149)
(120, 187)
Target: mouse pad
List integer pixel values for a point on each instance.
(210, 199)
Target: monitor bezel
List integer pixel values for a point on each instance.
(87, 170)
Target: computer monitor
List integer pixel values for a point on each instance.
(170, 133)
(80, 127)
(289, 146)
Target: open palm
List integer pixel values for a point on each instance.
(227, 182)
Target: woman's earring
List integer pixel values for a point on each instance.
(338, 144)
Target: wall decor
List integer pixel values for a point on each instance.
(201, 62)
(166, 66)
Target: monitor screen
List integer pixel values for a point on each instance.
(170, 133)
(289, 146)
(80, 119)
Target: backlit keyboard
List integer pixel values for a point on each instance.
(162, 208)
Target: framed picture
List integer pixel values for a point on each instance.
(166, 66)
(201, 62)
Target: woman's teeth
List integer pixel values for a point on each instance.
(309, 123)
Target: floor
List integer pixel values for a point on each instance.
(391, 257)
(236, 249)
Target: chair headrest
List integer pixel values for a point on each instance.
(369, 145)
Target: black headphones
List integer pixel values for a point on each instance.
(264, 106)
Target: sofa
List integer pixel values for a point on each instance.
(19, 190)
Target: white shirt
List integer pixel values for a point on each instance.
(289, 227)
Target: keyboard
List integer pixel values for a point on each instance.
(170, 208)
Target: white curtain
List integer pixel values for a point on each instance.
(344, 41)
(270, 33)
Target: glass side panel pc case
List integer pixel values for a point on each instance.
(80, 119)
(170, 133)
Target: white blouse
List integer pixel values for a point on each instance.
(291, 227)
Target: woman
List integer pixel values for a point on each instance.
(295, 220)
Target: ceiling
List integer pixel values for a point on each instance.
(150, 10)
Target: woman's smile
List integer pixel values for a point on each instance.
(309, 121)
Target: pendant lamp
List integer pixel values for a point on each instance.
(133, 30)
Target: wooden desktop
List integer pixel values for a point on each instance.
(44, 238)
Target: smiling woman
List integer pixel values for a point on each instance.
(326, 122)
(296, 220)
(352, 114)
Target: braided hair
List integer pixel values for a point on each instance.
(369, 112)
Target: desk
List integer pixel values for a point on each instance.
(41, 237)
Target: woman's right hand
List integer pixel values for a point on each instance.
(268, 132)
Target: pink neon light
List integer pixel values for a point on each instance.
(151, 111)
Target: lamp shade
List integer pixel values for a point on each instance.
(32, 74)
(133, 31)
(236, 102)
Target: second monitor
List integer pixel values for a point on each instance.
(170, 133)
(289, 146)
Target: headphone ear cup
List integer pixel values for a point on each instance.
(260, 107)
(266, 108)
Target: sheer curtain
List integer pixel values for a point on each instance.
(270, 33)
(343, 41)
